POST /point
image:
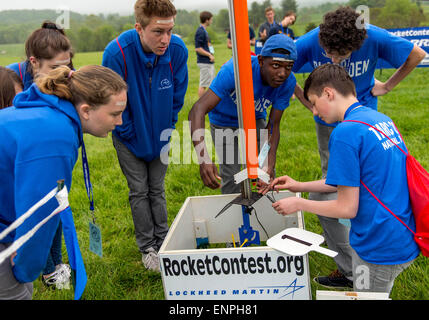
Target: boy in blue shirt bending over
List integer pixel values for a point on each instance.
(342, 39)
(153, 62)
(273, 84)
(383, 247)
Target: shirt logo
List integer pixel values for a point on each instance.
(164, 84)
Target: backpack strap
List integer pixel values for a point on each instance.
(357, 121)
(125, 61)
(385, 207)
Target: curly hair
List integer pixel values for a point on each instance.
(339, 32)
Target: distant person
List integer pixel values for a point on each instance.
(153, 62)
(382, 246)
(10, 86)
(205, 52)
(251, 37)
(264, 29)
(46, 49)
(273, 85)
(288, 20)
(40, 138)
(341, 40)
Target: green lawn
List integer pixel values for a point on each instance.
(120, 273)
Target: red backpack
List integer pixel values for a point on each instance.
(418, 188)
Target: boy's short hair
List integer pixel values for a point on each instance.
(269, 9)
(329, 75)
(144, 10)
(339, 31)
(205, 15)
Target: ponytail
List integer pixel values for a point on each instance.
(91, 84)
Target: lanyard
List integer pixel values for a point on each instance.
(87, 179)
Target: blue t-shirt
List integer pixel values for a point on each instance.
(358, 152)
(361, 65)
(202, 40)
(225, 113)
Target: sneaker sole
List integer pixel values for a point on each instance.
(331, 287)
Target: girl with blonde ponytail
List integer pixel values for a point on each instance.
(46, 49)
(39, 141)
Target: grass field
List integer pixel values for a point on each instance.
(120, 275)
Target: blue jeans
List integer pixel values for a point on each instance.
(54, 257)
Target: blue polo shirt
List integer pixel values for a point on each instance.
(225, 113)
(358, 152)
(361, 65)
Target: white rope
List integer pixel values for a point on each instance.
(62, 198)
(26, 215)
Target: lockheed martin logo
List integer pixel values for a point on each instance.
(287, 290)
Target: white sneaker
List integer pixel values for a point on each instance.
(60, 278)
(150, 260)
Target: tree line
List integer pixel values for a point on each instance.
(93, 32)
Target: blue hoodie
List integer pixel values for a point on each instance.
(156, 91)
(39, 141)
(21, 69)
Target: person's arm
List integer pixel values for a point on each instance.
(229, 43)
(345, 206)
(381, 88)
(32, 183)
(196, 117)
(263, 32)
(299, 93)
(200, 41)
(179, 62)
(203, 52)
(273, 128)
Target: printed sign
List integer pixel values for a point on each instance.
(418, 36)
(235, 275)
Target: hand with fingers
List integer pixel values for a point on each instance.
(209, 175)
(287, 205)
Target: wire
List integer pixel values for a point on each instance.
(256, 215)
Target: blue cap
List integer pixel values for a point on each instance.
(279, 41)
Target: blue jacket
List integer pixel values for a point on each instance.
(21, 69)
(156, 91)
(39, 141)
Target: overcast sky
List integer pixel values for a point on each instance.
(122, 6)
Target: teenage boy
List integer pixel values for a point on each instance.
(341, 39)
(154, 64)
(383, 247)
(205, 52)
(273, 84)
(264, 29)
(288, 20)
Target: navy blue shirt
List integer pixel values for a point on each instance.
(280, 29)
(202, 40)
(251, 33)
